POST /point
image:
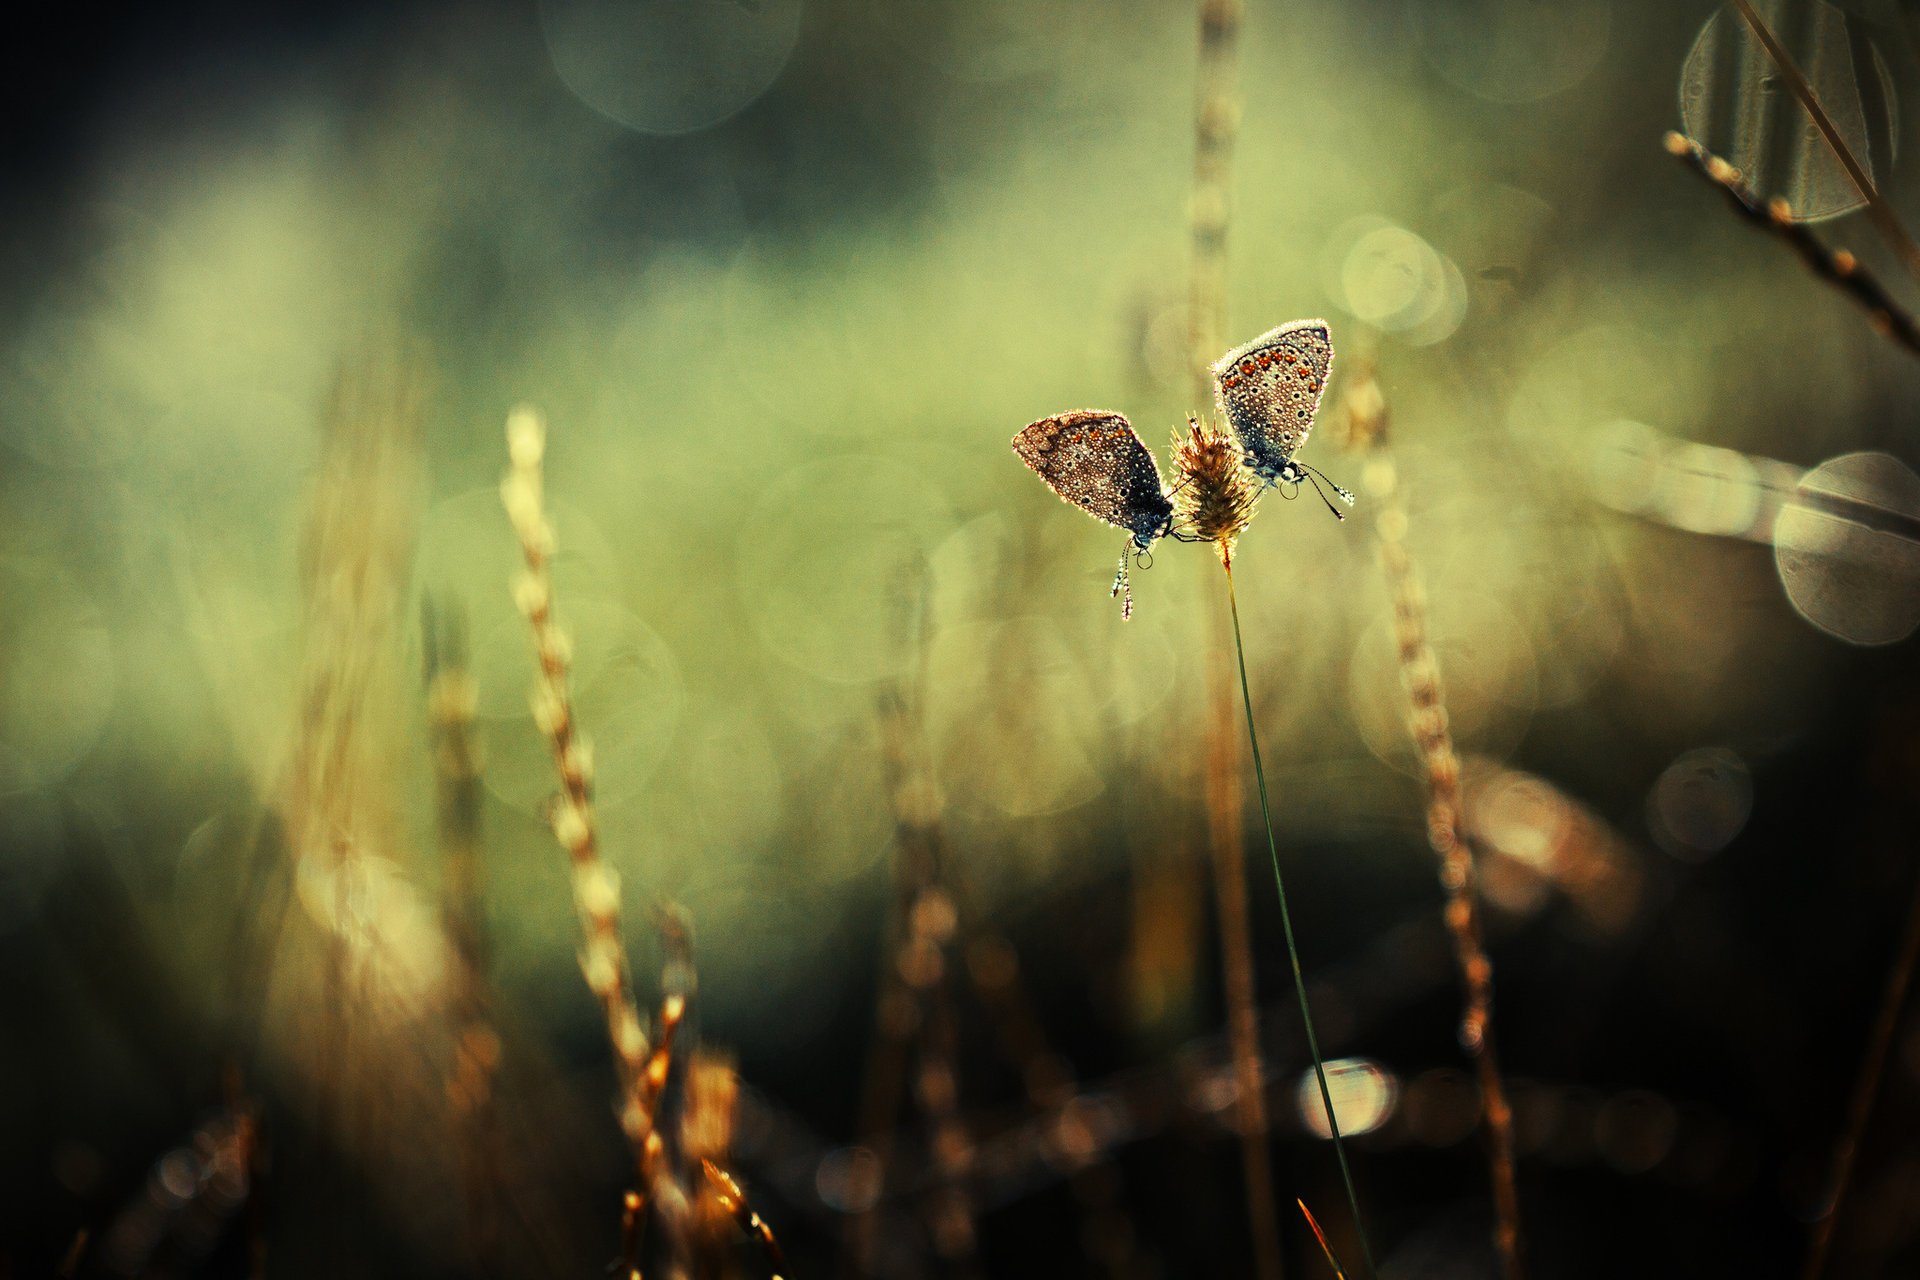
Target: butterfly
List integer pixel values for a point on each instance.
(1093, 459)
(1269, 392)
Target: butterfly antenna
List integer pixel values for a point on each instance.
(1122, 587)
(1345, 496)
(1310, 474)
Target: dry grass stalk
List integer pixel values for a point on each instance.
(451, 700)
(719, 1205)
(356, 556)
(1216, 124)
(1878, 209)
(706, 1138)
(1866, 1087)
(1326, 1247)
(1366, 427)
(1835, 266)
(734, 1201)
(924, 964)
(914, 1015)
(596, 886)
(1052, 1087)
(1214, 498)
(373, 1062)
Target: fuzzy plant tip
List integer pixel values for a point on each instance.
(1215, 496)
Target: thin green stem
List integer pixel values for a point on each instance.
(1286, 924)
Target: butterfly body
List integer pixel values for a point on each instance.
(1269, 392)
(1093, 459)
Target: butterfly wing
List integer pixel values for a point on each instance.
(1094, 460)
(1269, 392)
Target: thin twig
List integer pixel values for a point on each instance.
(1836, 266)
(1878, 209)
(1286, 924)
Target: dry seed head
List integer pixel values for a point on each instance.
(556, 647)
(600, 971)
(526, 436)
(596, 887)
(629, 1037)
(572, 830)
(706, 1125)
(520, 495)
(1214, 495)
(1366, 411)
(531, 594)
(549, 707)
(576, 765)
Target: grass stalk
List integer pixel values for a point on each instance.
(1326, 1247)
(1216, 124)
(1878, 209)
(1866, 1087)
(451, 700)
(916, 1029)
(1286, 923)
(1427, 722)
(1837, 267)
(642, 1067)
(1227, 845)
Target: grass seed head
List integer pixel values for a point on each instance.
(1214, 495)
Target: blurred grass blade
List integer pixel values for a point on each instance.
(1333, 1259)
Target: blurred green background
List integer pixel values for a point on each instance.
(785, 277)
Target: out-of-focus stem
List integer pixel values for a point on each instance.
(1879, 211)
(1216, 122)
(451, 700)
(1226, 839)
(914, 1011)
(1837, 267)
(1428, 723)
(596, 886)
(1866, 1087)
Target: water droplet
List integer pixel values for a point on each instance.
(1847, 546)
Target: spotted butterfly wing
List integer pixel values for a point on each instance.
(1269, 391)
(1094, 460)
